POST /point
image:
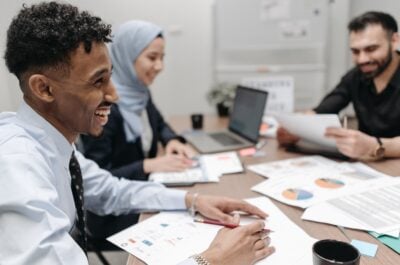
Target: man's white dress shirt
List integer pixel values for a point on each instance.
(37, 210)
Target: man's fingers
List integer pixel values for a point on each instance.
(217, 214)
(250, 209)
(336, 132)
(226, 218)
(236, 219)
(260, 244)
(263, 253)
(284, 137)
(254, 227)
(237, 205)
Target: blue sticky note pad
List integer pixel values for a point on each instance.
(365, 248)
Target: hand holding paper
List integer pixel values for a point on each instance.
(285, 138)
(310, 127)
(352, 143)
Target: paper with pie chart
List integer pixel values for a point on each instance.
(306, 181)
(297, 194)
(329, 183)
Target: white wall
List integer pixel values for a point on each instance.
(10, 94)
(392, 7)
(337, 56)
(181, 88)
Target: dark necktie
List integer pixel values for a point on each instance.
(77, 191)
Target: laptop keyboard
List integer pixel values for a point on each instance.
(224, 139)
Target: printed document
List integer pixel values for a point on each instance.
(294, 166)
(310, 127)
(193, 175)
(208, 169)
(306, 181)
(171, 237)
(373, 207)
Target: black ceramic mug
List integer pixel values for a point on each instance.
(333, 252)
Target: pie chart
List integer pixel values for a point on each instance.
(297, 194)
(329, 183)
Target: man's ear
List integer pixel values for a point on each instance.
(395, 41)
(40, 87)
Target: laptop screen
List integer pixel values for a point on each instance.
(248, 109)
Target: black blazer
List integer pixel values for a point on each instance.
(125, 160)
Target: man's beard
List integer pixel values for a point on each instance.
(381, 67)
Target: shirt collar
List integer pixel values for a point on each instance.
(46, 133)
(395, 80)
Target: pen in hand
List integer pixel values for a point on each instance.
(215, 222)
(345, 122)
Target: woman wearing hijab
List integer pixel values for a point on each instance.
(128, 147)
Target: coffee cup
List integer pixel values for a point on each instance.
(333, 252)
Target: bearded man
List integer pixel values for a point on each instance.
(373, 86)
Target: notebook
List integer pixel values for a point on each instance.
(244, 124)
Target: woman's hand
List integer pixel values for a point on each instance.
(166, 163)
(178, 148)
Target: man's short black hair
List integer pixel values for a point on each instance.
(373, 17)
(43, 36)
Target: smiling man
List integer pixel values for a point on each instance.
(373, 86)
(60, 58)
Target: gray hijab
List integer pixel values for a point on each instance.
(129, 41)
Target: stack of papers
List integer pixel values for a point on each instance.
(352, 195)
(209, 168)
(168, 238)
(372, 207)
(306, 181)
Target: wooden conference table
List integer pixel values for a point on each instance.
(238, 186)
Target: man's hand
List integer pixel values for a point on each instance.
(166, 163)
(285, 138)
(352, 143)
(178, 148)
(219, 208)
(242, 245)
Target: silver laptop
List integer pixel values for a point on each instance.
(244, 124)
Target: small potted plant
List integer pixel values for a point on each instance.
(222, 95)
